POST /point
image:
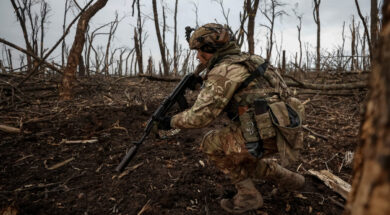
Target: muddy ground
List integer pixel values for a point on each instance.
(41, 172)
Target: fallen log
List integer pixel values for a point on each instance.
(326, 92)
(333, 182)
(156, 78)
(293, 82)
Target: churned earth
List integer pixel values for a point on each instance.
(43, 172)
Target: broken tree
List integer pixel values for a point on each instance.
(77, 47)
(371, 185)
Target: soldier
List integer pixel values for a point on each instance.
(239, 150)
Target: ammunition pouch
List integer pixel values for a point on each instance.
(262, 121)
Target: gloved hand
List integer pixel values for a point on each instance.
(164, 123)
(194, 82)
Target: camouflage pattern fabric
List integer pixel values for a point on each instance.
(209, 34)
(216, 93)
(225, 147)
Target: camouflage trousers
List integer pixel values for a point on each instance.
(226, 149)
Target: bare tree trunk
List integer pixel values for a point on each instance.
(138, 41)
(63, 45)
(371, 185)
(365, 27)
(44, 11)
(241, 31)
(10, 60)
(284, 62)
(2, 67)
(127, 62)
(353, 39)
(120, 64)
(196, 13)
(342, 48)
(138, 52)
(316, 16)
(374, 23)
(175, 61)
(299, 27)
(113, 27)
(81, 66)
(274, 13)
(251, 10)
(131, 65)
(22, 21)
(149, 68)
(160, 41)
(77, 47)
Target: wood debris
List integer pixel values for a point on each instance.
(9, 129)
(333, 182)
(58, 165)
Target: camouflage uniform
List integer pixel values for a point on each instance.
(225, 147)
(259, 113)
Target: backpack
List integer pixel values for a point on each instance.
(283, 117)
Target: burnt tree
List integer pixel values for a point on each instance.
(175, 54)
(138, 39)
(271, 12)
(161, 43)
(76, 50)
(251, 8)
(316, 16)
(371, 181)
(374, 23)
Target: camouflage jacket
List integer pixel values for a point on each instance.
(219, 86)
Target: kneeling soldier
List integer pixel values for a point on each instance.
(264, 118)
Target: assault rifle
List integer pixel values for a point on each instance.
(177, 95)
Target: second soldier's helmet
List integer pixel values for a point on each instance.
(209, 37)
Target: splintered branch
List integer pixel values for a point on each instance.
(51, 66)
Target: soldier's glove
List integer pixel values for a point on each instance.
(164, 123)
(194, 82)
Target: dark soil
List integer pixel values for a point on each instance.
(167, 176)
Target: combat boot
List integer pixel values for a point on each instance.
(286, 179)
(247, 198)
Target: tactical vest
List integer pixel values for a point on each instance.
(265, 109)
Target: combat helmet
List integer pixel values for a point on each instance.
(209, 37)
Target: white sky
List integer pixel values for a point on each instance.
(332, 14)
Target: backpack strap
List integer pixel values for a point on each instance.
(257, 73)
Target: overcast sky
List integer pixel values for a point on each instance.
(332, 14)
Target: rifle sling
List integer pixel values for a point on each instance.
(257, 73)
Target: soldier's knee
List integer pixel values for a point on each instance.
(211, 143)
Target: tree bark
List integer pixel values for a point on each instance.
(353, 40)
(138, 53)
(81, 66)
(365, 28)
(113, 27)
(160, 41)
(22, 22)
(251, 10)
(175, 57)
(316, 16)
(299, 27)
(371, 180)
(374, 23)
(77, 47)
